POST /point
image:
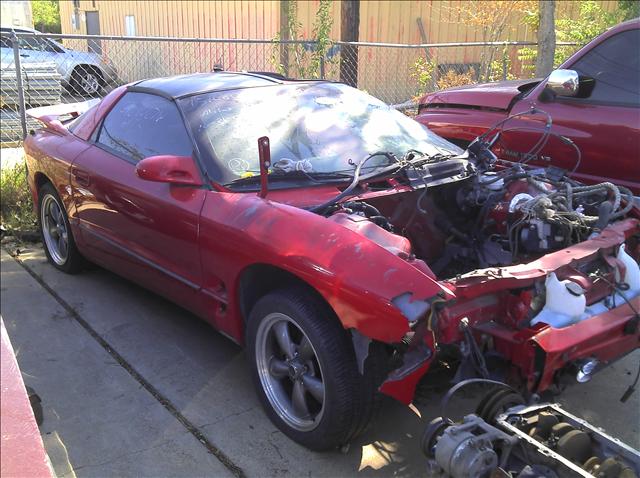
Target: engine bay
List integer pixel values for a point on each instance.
(479, 218)
(510, 241)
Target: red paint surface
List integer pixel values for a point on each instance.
(21, 452)
(169, 169)
(195, 245)
(607, 135)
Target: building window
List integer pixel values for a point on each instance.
(75, 20)
(130, 25)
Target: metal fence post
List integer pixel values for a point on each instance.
(504, 67)
(21, 104)
(322, 67)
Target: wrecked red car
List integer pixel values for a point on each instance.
(593, 99)
(343, 243)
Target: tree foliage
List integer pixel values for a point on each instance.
(590, 22)
(46, 15)
(629, 9)
(494, 19)
(305, 60)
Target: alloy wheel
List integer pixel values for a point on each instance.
(289, 372)
(54, 229)
(90, 83)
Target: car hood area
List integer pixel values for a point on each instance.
(498, 95)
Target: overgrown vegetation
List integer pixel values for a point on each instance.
(16, 204)
(495, 64)
(591, 21)
(304, 60)
(46, 15)
(493, 19)
(452, 78)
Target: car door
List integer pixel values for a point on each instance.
(604, 120)
(144, 230)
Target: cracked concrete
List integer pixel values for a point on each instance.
(98, 421)
(101, 414)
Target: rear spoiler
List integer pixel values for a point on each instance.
(49, 115)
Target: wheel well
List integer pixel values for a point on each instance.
(93, 68)
(40, 180)
(258, 280)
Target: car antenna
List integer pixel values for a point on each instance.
(264, 153)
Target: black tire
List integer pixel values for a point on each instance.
(87, 81)
(73, 262)
(344, 402)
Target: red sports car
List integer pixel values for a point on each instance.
(343, 243)
(593, 100)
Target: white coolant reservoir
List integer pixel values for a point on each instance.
(632, 274)
(565, 303)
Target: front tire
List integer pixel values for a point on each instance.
(304, 369)
(57, 238)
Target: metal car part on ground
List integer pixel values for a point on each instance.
(506, 437)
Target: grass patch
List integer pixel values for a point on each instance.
(16, 203)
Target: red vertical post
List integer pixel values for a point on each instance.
(264, 152)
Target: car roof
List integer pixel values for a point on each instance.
(10, 28)
(187, 85)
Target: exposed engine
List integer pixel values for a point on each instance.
(464, 215)
(507, 438)
(501, 236)
(525, 213)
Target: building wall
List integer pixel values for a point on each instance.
(388, 21)
(385, 21)
(186, 19)
(16, 13)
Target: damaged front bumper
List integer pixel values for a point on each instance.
(487, 301)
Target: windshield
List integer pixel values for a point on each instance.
(326, 126)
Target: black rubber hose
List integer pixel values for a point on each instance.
(356, 179)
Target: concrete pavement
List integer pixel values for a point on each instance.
(101, 420)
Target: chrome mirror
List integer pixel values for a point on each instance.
(563, 82)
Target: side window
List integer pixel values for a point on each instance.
(142, 125)
(32, 43)
(615, 66)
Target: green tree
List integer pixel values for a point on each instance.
(629, 9)
(590, 22)
(46, 15)
(304, 61)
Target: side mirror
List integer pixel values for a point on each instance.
(169, 169)
(563, 82)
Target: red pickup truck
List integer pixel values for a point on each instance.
(593, 99)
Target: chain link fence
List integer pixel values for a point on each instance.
(42, 69)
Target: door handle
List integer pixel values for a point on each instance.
(23, 55)
(82, 178)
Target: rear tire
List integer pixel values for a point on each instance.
(87, 81)
(57, 238)
(298, 348)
